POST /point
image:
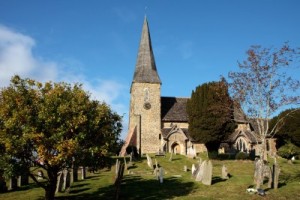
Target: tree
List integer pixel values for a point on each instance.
(288, 129)
(264, 87)
(210, 112)
(48, 125)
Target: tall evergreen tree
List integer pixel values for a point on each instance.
(210, 111)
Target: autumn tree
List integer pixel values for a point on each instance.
(210, 112)
(49, 125)
(264, 86)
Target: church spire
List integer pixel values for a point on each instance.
(145, 69)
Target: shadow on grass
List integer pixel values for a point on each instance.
(217, 179)
(134, 187)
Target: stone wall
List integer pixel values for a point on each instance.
(145, 102)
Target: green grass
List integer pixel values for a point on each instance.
(140, 183)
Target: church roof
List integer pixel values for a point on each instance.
(145, 69)
(173, 109)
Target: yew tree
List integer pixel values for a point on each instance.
(210, 112)
(267, 82)
(48, 125)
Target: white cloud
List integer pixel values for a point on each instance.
(16, 57)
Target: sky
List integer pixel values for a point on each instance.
(95, 42)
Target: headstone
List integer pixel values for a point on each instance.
(83, 172)
(149, 161)
(117, 166)
(66, 180)
(275, 174)
(60, 182)
(197, 168)
(171, 156)
(13, 183)
(40, 175)
(125, 163)
(193, 168)
(3, 187)
(24, 179)
(161, 174)
(201, 169)
(185, 168)
(19, 184)
(224, 172)
(74, 174)
(207, 174)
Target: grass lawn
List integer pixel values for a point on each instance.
(140, 183)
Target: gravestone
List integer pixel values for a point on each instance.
(13, 183)
(201, 169)
(149, 161)
(185, 168)
(60, 182)
(83, 172)
(161, 173)
(3, 187)
(193, 168)
(118, 180)
(74, 174)
(207, 174)
(117, 166)
(66, 180)
(224, 172)
(125, 163)
(171, 156)
(197, 168)
(40, 175)
(275, 174)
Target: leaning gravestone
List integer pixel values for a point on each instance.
(149, 161)
(201, 170)
(207, 174)
(224, 172)
(197, 168)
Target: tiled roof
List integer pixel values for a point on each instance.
(145, 69)
(173, 109)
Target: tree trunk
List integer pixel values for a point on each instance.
(50, 192)
(51, 187)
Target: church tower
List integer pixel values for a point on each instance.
(145, 100)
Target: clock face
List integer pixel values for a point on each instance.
(147, 106)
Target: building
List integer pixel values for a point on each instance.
(160, 124)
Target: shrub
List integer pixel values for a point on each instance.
(288, 151)
(241, 156)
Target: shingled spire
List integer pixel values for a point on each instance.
(145, 69)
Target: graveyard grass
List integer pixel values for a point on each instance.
(139, 182)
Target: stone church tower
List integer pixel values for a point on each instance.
(145, 101)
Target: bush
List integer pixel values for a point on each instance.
(241, 156)
(226, 156)
(288, 151)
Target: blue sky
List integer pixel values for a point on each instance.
(96, 42)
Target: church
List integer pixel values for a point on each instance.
(160, 124)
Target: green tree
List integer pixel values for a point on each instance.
(288, 129)
(210, 112)
(265, 85)
(48, 125)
